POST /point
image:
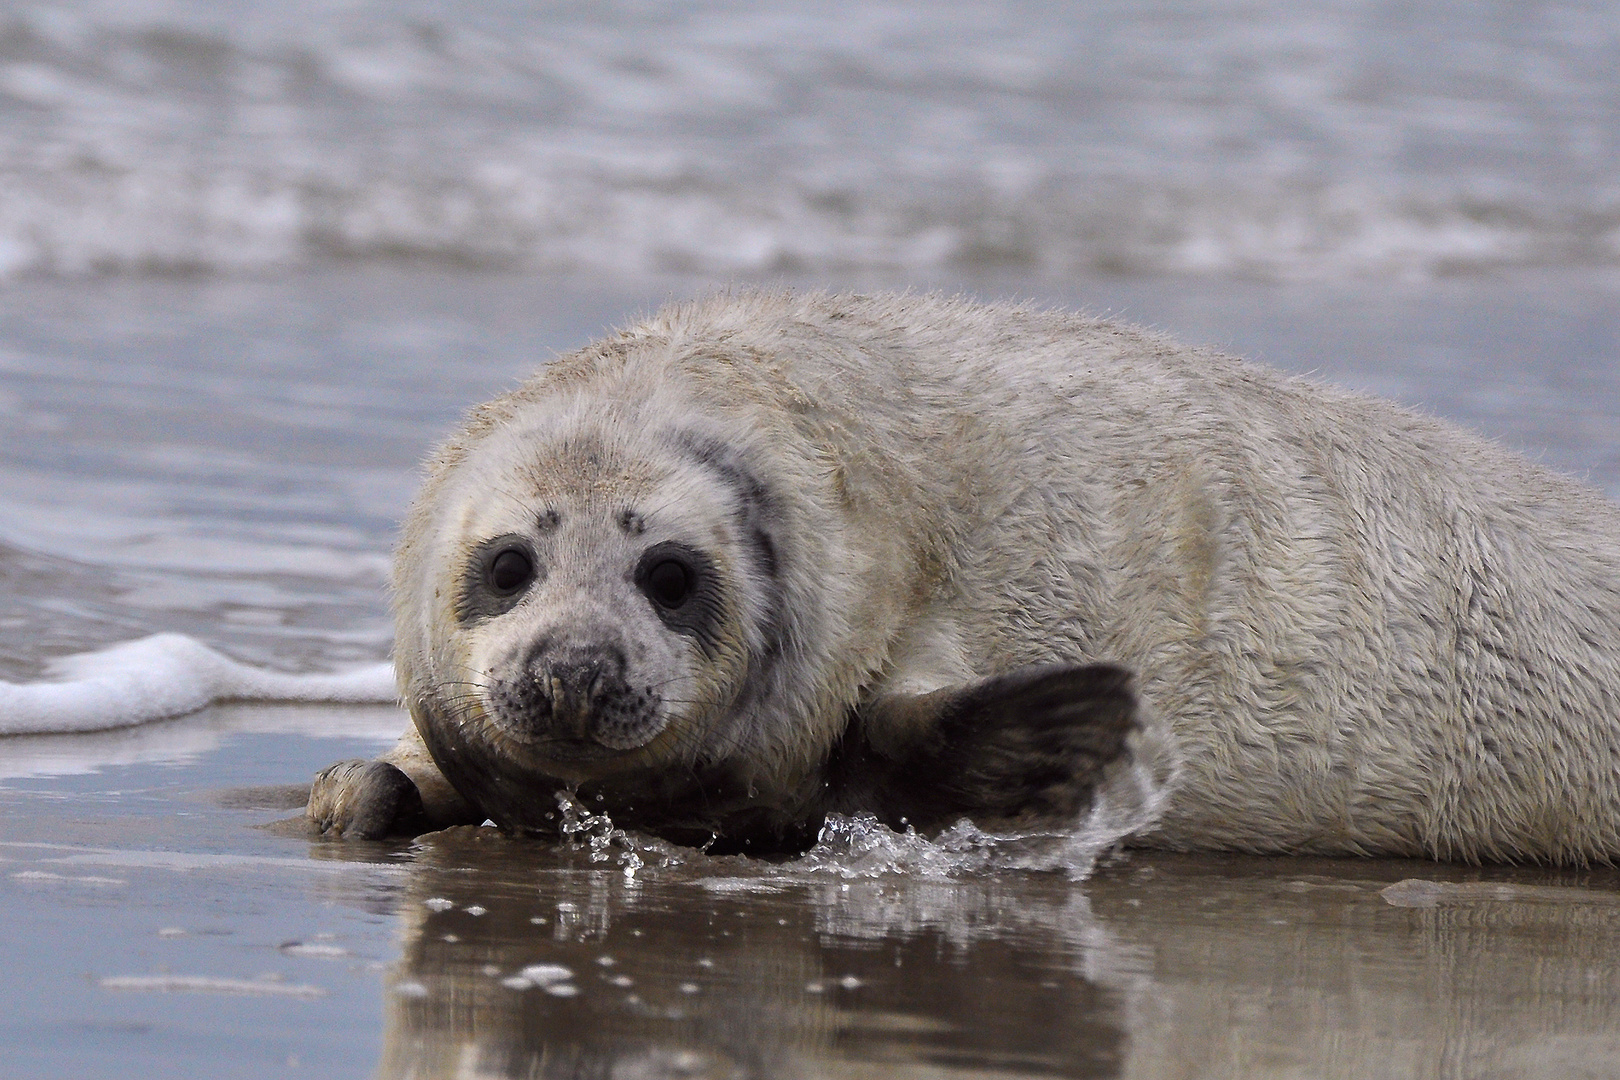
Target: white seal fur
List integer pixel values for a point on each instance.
(1354, 629)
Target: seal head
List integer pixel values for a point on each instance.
(606, 585)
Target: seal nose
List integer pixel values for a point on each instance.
(575, 683)
(571, 686)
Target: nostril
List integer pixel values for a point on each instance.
(578, 679)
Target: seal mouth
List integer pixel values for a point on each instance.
(588, 758)
(567, 751)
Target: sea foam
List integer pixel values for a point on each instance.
(166, 675)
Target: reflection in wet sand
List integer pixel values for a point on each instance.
(1306, 968)
(469, 954)
(522, 959)
(724, 968)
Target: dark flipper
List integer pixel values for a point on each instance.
(1019, 748)
(1023, 748)
(365, 800)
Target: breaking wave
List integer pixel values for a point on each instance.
(166, 675)
(1310, 139)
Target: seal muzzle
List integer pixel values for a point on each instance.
(575, 700)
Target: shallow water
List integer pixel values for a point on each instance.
(227, 459)
(160, 922)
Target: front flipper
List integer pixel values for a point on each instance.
(364, 800)
(402, 793)
(1025, 747)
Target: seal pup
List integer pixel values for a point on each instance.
(768, 555)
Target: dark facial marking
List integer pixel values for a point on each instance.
(632, 523)
(498, 576)
(759, 518)
(548, 520)
(756, 506)
(683, 585)
(765, 550)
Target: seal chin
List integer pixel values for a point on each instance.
(621, 739)
(581, 753)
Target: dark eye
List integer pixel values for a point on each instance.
(499, 575)
(510, 571)
(685, 589)
(668, 582)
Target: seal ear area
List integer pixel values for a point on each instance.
(1029, 745)
(499, 574)
(684, 587)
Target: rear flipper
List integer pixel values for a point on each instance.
(1027, 747)
(401, 793)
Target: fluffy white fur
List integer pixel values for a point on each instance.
(1361, 630)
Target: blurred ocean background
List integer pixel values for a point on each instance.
(1298, 140)
(256, 257)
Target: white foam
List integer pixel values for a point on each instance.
(166, 675)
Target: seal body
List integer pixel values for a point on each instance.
(763, 547)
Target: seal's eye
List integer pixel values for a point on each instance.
(668, 582)
(685, 590)
(497, 577)
(510, 571)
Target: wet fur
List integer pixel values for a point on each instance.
(1354, 629)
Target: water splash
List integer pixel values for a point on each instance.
(594, 832)
(1129, 801)
(851, 846)
(860, 846)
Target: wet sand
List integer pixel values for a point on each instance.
(172, 917)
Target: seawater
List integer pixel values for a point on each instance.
(1308, 139)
